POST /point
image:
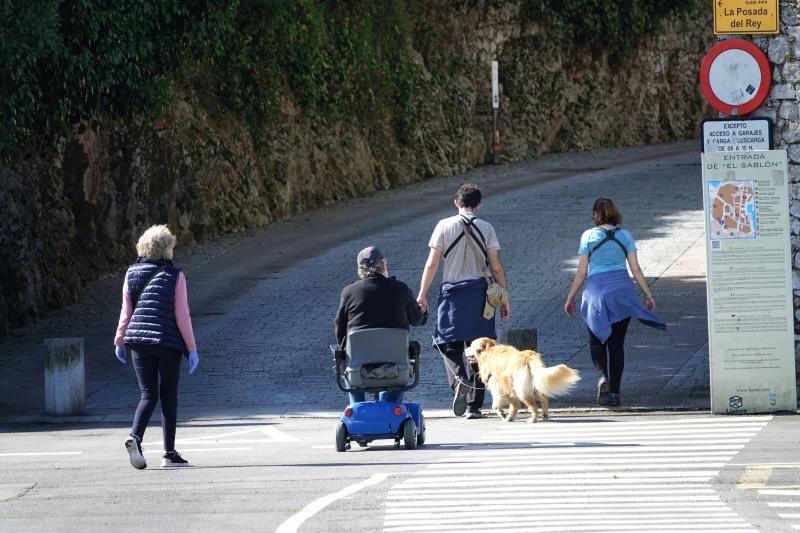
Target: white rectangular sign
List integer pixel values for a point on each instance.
(749, 287)
(495, 86)
(731, 135)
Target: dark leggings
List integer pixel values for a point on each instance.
(609, 358)
(459, 370)
(150, 363)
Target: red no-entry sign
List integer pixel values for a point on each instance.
(735, 77)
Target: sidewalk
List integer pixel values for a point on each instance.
(263, 301)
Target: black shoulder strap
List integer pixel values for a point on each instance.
(610, 236)
(470, 225)
(146, 283)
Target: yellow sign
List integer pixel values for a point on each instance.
(746, 17)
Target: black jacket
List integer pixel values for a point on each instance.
(376, 302)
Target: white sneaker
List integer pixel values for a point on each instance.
(135, 454)
(174, 459)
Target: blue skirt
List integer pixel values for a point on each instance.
(609, 297)
(460, 312)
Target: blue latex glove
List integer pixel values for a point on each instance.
(120, 353)
(194, 360)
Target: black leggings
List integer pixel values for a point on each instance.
(458, 369)
(150, 363)
(609, 358)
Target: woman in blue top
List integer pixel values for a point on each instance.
(609, 299)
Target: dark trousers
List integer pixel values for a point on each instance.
(458, 369)
(152, 363)
(609, 357)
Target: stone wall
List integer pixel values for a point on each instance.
(782, 107)
(74, 208)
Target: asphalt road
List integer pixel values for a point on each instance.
(593, 472)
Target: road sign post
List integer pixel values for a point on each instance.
(495, 113)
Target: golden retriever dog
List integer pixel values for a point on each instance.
(515, 376)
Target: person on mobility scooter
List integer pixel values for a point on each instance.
(374, 355)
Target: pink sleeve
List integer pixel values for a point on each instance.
(182, 316)
(124, 313)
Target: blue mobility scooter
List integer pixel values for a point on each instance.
(379, 360)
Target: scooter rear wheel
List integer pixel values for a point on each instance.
(341, 437)
(410, 434)
(421, 431)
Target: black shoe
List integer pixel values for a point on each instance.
(168, 460)
(614, 400)
(603, 396)
(135, 453)
(460, 399)
(473, 415)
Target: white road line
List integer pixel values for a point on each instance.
(295, 521)
(488, 499)
(203, 450)
(36, 454)
(531, 430)
(598, 443)
(533, 486)
(778, 492)
(611, 514)
(588, 459)
(567, 468)
(272, 434)
(795, 526)
(504, 527)
(526, 450)
(783, 504)
(570, 522)
(464, 481)
(566, 508)
(643, 423)
(789, 515)
(597, 454)
(562, 493)
(734, 437)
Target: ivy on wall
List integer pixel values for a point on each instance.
(63, 61)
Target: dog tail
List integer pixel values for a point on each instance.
(555, 380)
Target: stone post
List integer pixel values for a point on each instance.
(522, 339)
(64, 378)
(782, 106)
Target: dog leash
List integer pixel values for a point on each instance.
(458, 379)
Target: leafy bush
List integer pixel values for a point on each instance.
(615, 24)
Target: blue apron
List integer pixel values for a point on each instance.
(460, 312)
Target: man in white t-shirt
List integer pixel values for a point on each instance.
(463, 293)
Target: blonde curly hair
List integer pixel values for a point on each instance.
(158, 242)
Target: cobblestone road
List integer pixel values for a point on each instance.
(263, 302)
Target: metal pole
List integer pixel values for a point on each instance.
(495, 114)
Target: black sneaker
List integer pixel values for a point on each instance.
(614, 400)
(473, 415)
(168, 460)
(603, 396)
(135, 453)
(460, 399)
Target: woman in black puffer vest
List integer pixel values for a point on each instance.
(155, 325)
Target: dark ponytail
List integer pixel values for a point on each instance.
(605, 212)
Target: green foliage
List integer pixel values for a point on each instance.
(613, 24)
(65, 61)
(333, 59)
(62, 61)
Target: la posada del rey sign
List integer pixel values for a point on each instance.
(746, 17)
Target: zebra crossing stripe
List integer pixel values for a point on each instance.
(579, 476)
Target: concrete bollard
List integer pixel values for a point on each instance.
(522, 339)
(64, 377)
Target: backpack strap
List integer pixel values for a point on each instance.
(610, 236)
(146, 283)
(471, 225)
